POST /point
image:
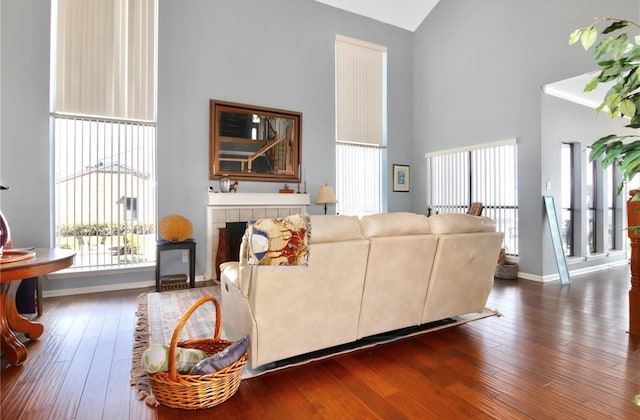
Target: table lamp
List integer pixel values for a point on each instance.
(326, 196)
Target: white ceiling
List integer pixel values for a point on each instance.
(406, 14)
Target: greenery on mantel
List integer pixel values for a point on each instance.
(618, 55)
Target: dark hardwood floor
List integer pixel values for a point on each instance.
(557, 352)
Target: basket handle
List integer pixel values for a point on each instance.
(180, 325)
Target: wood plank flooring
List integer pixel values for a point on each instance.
(557, 352)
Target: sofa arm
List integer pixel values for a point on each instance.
(229, 274)
(236, 273)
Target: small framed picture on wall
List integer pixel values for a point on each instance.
(401, 178)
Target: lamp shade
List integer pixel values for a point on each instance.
(326, 195)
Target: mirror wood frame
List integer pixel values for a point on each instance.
(240, 163)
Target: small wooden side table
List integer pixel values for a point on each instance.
(189, 245)
(40, 261)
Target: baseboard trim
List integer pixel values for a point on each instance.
(106, 288)
(576, 272)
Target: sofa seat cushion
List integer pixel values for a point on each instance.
(394, 224)
(460, 223)
(280, 241)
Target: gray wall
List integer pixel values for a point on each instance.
(275, 53)
(24, 135)
(478, 72)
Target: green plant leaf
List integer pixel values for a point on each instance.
(631, 159)
(596, 151)
(606, 63)
(612, 153)
(612, 71)
(612, 99)
(575, 36)
(634, 55)
(635, 121)
(619, 46)
(618, 24)
(602, 48)
(601, 145)
(588, 37)
(593, 83)
(627, 108)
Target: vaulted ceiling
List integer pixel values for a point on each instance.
(406, 14)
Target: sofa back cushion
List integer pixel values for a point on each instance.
(460, 223)
(462, 274)
(394, 224)
(334, 228)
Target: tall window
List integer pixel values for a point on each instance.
(360, 125)
(566, 199)
(591, 196)
(103, 113)
(483, 173)
(611, 199)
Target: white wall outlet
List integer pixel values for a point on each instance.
(185, 256)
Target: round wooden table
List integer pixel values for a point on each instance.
(16, 265)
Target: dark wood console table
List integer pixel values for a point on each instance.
(28, 263)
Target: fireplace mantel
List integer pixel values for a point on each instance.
(257, 199)
(242, 207)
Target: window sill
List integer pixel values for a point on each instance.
(79, 272)
(614, 253)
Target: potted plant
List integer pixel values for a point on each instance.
(617, 52)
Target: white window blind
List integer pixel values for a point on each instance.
(105, 58)
(360, 93)
(483, 173)
(103, 114)
(360, 125)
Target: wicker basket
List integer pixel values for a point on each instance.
(508, 271)
(197, 391)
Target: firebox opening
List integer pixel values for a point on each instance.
(235, 230)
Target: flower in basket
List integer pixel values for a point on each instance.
(156, 358)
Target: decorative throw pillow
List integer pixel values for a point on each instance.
(221, 359)
(281, 241)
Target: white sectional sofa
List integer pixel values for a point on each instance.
(364, 276)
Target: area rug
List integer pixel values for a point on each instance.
(159, 312)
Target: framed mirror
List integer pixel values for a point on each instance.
(254, 143)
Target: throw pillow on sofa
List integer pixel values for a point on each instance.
(280, 241)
